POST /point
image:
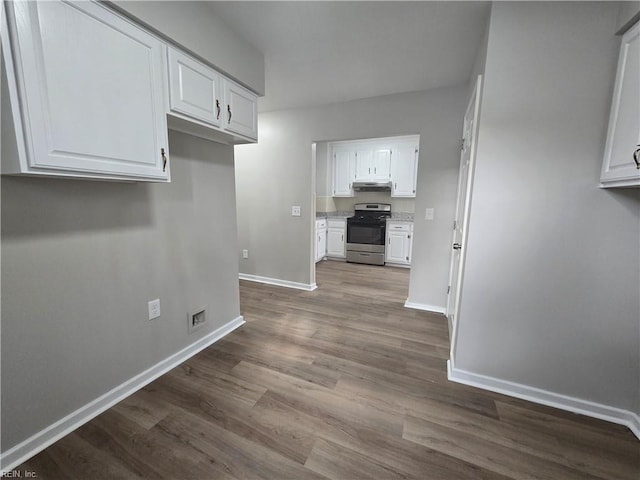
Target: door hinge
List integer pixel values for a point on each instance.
(416, 150)
(448, 289)
(455, 224)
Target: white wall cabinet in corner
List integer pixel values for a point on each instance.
(87, 94)
(205, 103)
(404, 170)
(621, 165)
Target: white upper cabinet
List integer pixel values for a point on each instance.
(343, 172)
(241, 115)
(392, 160)
(621, 165)
(404, 170)
(87, 92)
(198, 92)
(373, 164)
(195, 89)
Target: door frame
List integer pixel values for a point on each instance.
(464, 203)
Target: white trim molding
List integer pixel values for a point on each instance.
(425, 307)
(545, 397)
(280, 283)
(41, 440)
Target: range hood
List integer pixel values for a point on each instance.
(372, 186)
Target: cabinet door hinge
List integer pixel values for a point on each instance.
(455, 224)
(462, 144)
(448, 289)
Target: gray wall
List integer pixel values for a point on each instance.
(194, 26)
(550, 295)
(80, 261)
(276, 173)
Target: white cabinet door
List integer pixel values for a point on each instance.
(195, 89)
(381, 164)
(90, 89)
(404, 170)
(621, 165)
(373, 164)
(241, 110)
(343, 173)
(336, 239)
(364, 164)
(321, 244)
(399, 242)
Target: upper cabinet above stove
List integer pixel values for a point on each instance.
(393, 159)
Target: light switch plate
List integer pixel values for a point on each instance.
(154, 309)
(295, 211)
(429, 213)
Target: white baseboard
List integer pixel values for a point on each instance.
(41, 440)
(545, 397)
(280, 283)
(425, 307)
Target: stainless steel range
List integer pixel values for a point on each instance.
(366, 233)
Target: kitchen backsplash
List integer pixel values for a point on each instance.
(347, 203)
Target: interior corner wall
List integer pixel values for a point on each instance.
(550, 294)
(275, 174)
(80, 261)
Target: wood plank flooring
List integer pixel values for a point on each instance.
(339, 383)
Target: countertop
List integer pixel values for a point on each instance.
(398, 216)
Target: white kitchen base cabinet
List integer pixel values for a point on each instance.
(87, 93)
(321, 240)
(336, 238)
(621, 164)
(399, 242)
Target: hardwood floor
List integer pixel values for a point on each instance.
(339, 383)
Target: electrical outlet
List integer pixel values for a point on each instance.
(154, 308)
(196, 318)
(295, 211)
(245, 253)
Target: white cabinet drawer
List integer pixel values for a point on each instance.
(321, 223)
(401, 227)
(336, 223)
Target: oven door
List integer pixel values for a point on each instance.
(363, 234)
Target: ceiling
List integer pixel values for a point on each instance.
(324, 52)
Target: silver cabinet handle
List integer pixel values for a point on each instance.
(229, 110)
(636, 154)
